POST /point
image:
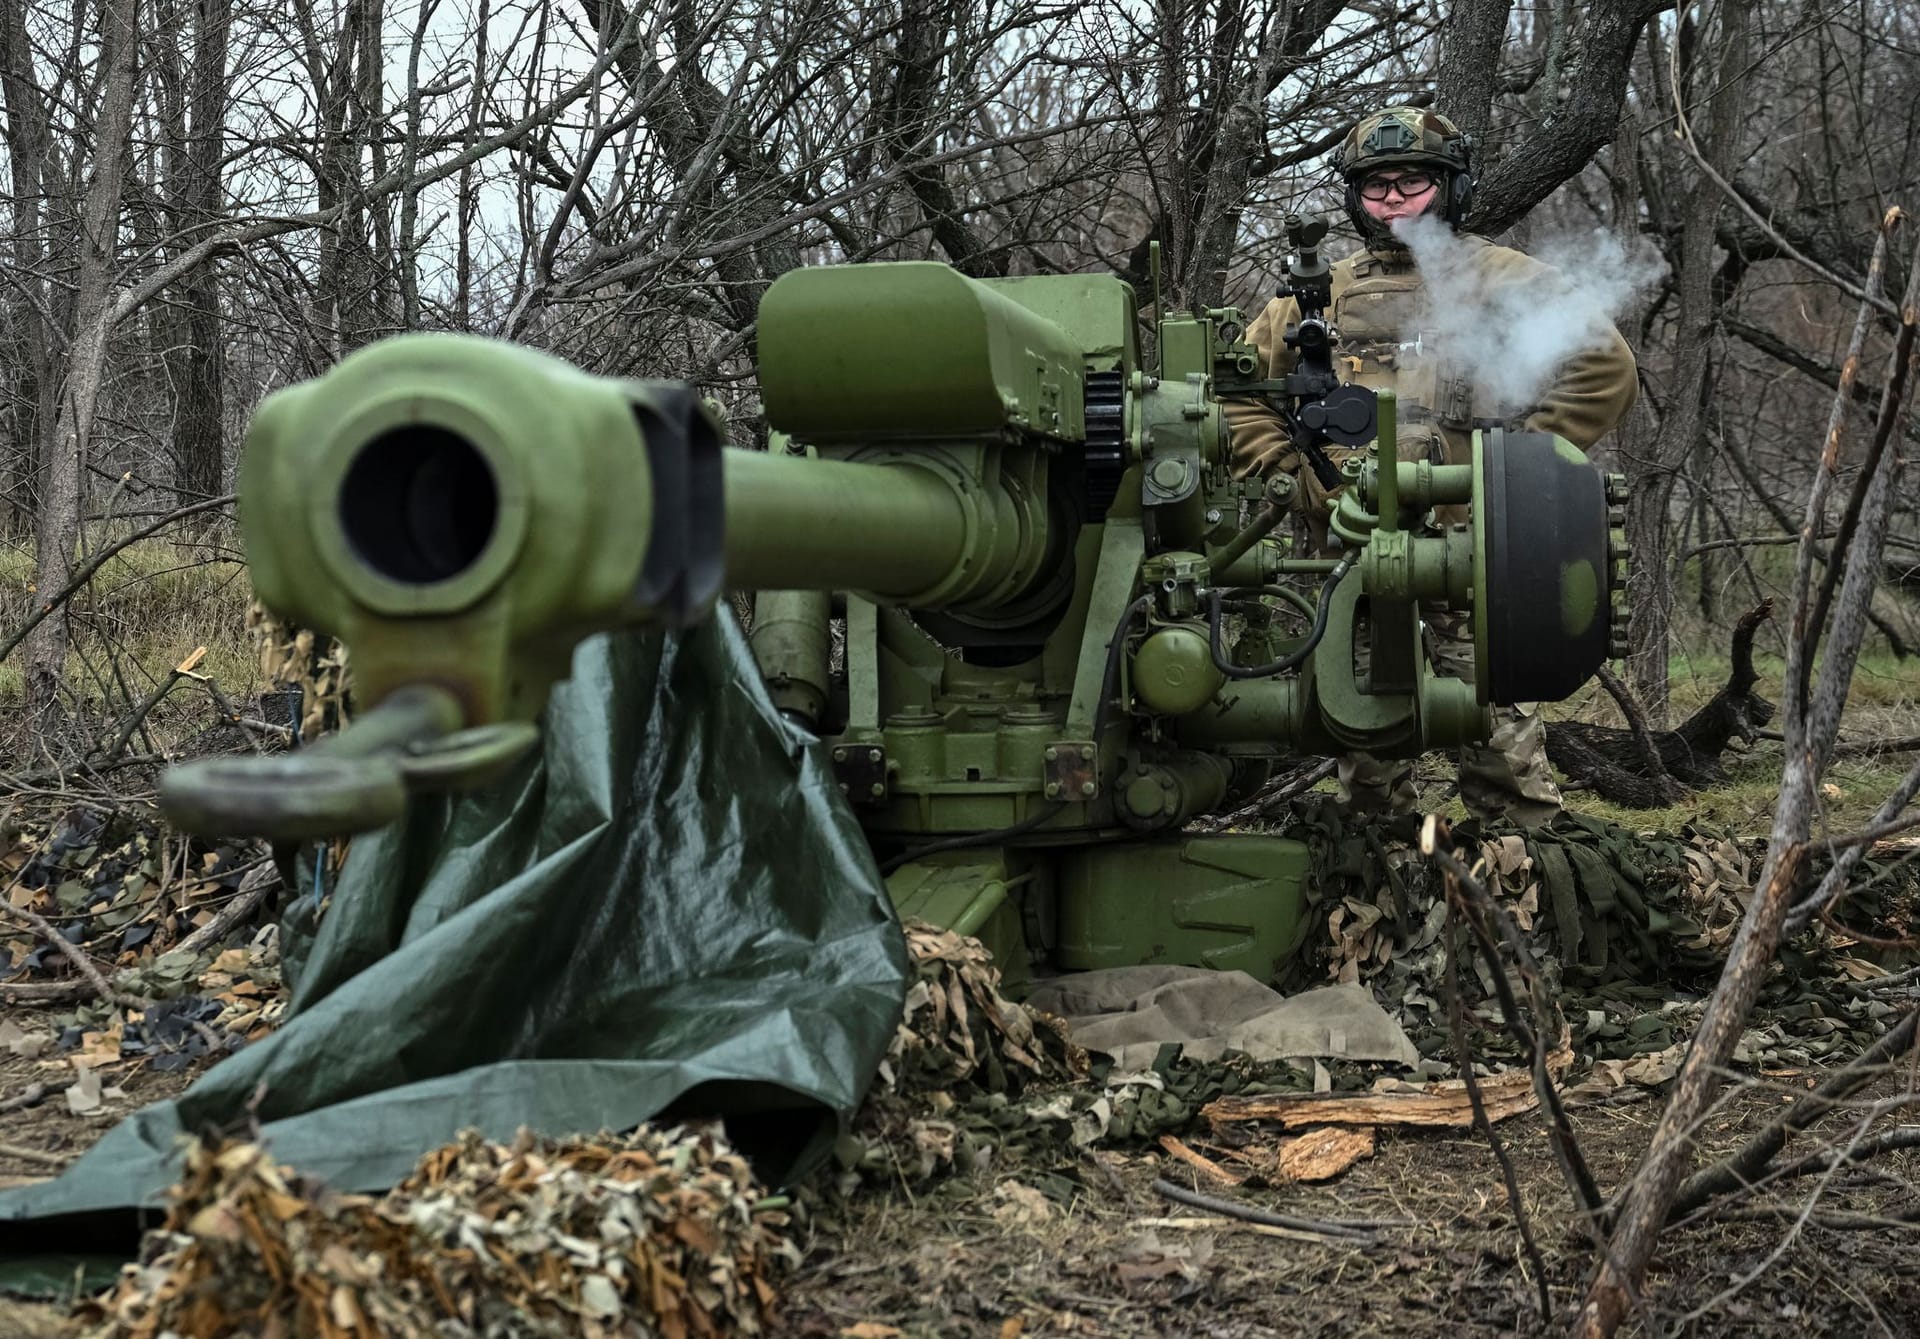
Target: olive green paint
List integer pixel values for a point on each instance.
(1579, 596)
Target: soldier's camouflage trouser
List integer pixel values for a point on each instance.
(1506, 777)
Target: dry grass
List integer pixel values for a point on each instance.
(150, 606)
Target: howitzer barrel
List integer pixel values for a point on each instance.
(825, 525)
(461, 511)
(920, 534)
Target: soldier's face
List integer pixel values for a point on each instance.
(1397, 200)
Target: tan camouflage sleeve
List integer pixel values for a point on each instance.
(1261, 444)
(1595, 388)
(1591, 395)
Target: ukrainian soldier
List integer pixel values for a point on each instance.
(1400, 164)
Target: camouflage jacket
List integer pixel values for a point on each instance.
(1377, 296)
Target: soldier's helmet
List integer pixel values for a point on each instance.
(1408, 137)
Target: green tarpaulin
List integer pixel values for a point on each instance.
(671, 911)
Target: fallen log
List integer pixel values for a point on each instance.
(1434, 1105)
(1611, 762)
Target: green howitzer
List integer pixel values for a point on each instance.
(1031, 539)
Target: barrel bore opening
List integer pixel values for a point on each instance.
(419, 505)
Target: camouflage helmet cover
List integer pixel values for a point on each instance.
(1403, 136)
(1407, 137)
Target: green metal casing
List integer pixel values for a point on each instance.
(1232, 902)
(960, 360)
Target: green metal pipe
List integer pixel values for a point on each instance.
(1264, 520)
(1387, 411)
(895, 531)
(790, 639)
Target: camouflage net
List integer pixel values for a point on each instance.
(973, 1075)
(296, 657)
(657, 1233)
(1632, 929)
(157, 913)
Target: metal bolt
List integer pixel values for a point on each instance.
(845, 789)
(873, 755)
(1088, 788)
(879, 789)
(1213, 516)
(839, 755)
(1052, 753)
(1053, 789)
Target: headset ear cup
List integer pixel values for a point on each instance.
(1460, 196)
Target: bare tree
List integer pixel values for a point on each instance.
(58, 523)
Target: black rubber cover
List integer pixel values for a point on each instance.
(1544, 517)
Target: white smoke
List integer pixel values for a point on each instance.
(1512, 337)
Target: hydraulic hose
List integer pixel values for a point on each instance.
(1294, 658)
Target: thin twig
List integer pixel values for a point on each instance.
(1573, 1163)
(24, 1154)
(1670, 790)
(1352, 1232)
(1887, 1141)
(1744, 1166)
(1272, 797)
(1866, 297)
(254, 887)
(1456, 1025)
(1857, 748)
(34, 1094)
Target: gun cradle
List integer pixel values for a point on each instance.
(1034, 541)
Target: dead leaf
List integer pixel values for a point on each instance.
(98, 1048)
(1146, 1259)
(1021, 1205)
(1510, 854)
(869, 1329)
(1859, 969)
(345, 1308)
(83, 1094)
(26, 1045)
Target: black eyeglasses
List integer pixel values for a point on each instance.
(1409, 184)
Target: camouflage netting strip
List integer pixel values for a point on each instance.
(973, 1076)
(1632, 928)
(655, 1233)
(299, 658)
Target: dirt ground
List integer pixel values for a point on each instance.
(1089, 1248)
(37, 1140)
(946, 1265)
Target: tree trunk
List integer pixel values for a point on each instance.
(1714, 116)
(195, 359)
(29, 426)
(1469, 66)
(59, 520)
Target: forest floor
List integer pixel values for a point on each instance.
(1034, 1245)
(1107, 1263)
(1002, 1252)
